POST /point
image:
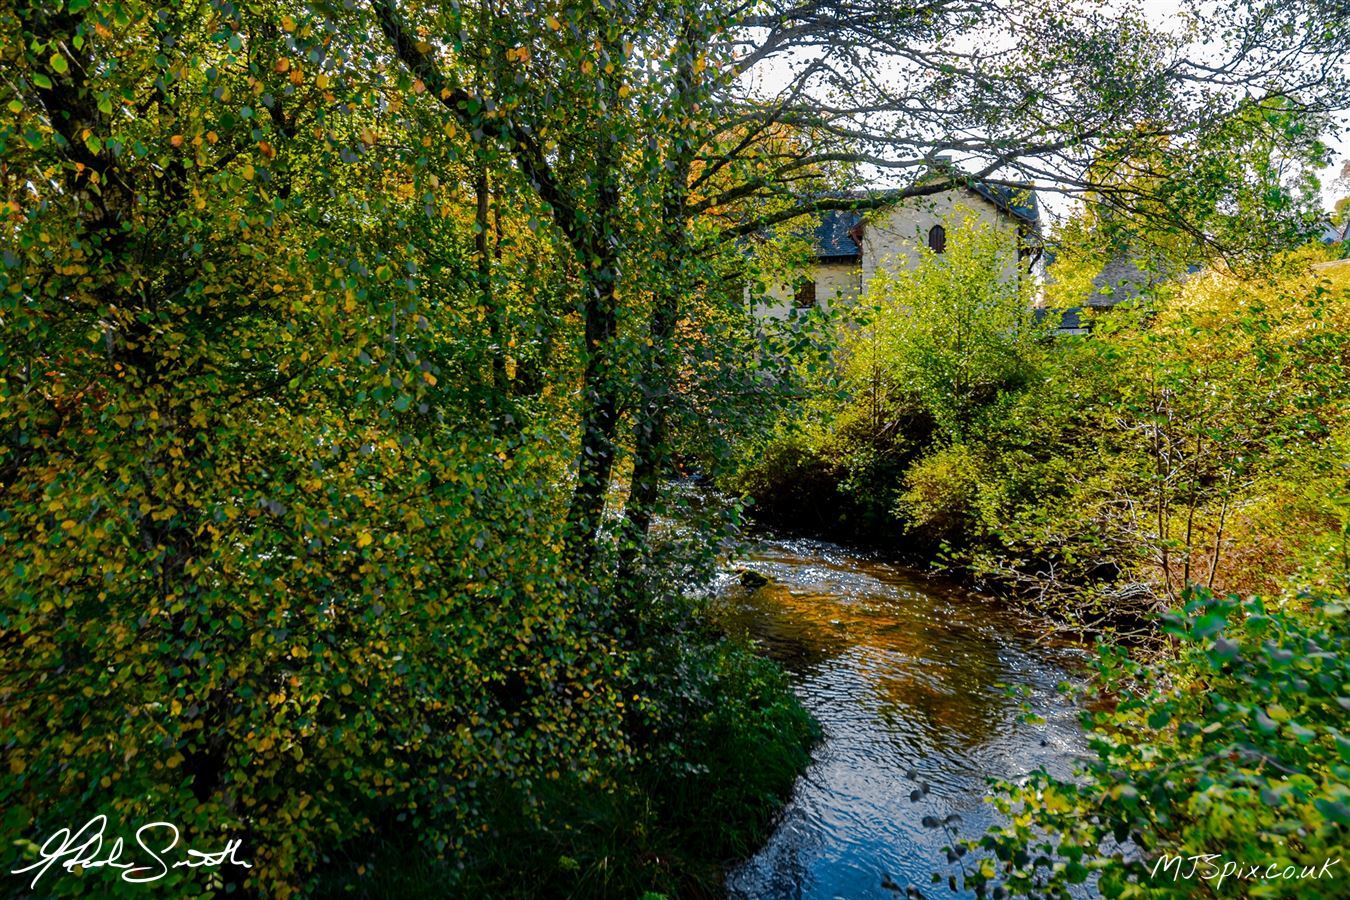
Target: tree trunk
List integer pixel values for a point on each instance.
(599, 390)
(651, 446)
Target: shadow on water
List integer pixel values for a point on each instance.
(909, 677)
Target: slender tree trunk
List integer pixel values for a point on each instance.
(1194, 501)
(486, 294)
(499, 323)
(599, 396)
(1218, 538)
(1161, 475)
(650, 439)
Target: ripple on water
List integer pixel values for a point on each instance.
(908, 676)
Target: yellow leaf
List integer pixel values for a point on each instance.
(364, 539)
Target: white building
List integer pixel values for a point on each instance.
(850, 247)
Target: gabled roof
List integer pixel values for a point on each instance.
(834, 235)
(1333, 233)
(1020, 202)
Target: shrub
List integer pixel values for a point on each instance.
(1236, 747)
(790, 481)
(941, 496)
(725, 740)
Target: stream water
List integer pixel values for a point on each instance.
(909, 678)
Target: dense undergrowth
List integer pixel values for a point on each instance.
(724, 740)
(1192, 438)
(1177, 482)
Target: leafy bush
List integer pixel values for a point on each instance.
(791, 481)
(942, 494)
(944, 337)
(724, 742)
(1235, 748)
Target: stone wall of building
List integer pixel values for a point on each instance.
(894, 241)
(835, 283)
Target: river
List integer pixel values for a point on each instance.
(909, 677)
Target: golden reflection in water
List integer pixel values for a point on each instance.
(908, 676)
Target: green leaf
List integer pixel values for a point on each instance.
(1334, 810)
(1209, 625)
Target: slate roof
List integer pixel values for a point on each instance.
(834, 235)
(1020, 202)
(1121, 279)
(1335, 234)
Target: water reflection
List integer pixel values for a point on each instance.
(909, 678)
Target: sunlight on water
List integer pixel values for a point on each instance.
(908, 677)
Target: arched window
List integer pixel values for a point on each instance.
(937, 239)
(806, 295)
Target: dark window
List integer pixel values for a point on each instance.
(806, 294)
(937, 239)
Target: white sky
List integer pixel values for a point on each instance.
(1162, 14)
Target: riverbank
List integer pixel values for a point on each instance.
(718, 740)
(1195, 437)
(1131, 621)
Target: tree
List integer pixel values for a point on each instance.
(947, 335)
(271, 572)
(677, 82)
